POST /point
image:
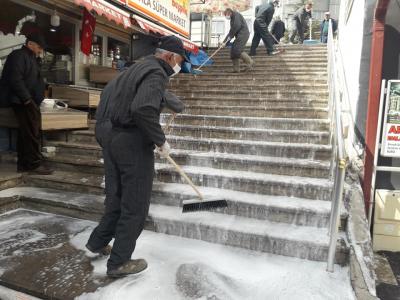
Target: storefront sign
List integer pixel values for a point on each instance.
(391, 127)
(174, 14)
(149, 26)
(111, 12)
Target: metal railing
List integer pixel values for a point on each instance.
(339, 157)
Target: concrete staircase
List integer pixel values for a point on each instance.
(259, 139)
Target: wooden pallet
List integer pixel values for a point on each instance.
(77, 97)
(62, 119)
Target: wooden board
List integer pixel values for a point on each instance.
(76, 97)
(51, 120)
(99, 74)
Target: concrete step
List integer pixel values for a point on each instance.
(210, 132)
(282, 64)
(8, 175)
(305, 242)
(250, 163)
(256, 94)
(251, 182)
(249, 84)
(247, 122)
(249, 77)
(239, 180)
(268, 72)
(258, 148)
(268, 69)
(251, 111)
(257, 86)
(263, 102)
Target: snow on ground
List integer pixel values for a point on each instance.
(181, 269)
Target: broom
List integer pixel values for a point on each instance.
(280, 49)
(206, 61)
(194, 204)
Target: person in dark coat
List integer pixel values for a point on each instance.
(278, 30)
(22, 88)
(132, 102)
(264, 14)
(325, 26)
(241, 33)
(300, 20)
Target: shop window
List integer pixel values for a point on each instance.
(218, 27)
(18, 21)
(117, 53)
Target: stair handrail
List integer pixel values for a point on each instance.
(339, 156)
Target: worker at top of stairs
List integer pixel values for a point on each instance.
(133, 106)
(241, 33)
(264, 14)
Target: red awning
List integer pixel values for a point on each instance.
(151, 27)
(111, 12)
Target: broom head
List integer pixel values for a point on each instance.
(203, 204)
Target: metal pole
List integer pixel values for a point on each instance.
(310, 23)
(335, 215)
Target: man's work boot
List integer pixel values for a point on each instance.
(41, 170)
(236, 65)
(130, 267)
(105, 251)
(248, 61)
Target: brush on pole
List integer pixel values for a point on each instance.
(281, 50)
(206, 61)
(201, 203)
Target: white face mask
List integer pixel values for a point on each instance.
(177, 68)
(228, 17)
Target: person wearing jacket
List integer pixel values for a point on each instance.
(278, 29)
(22, 88)
(300, 19)
(241, 33)
(325, 26)
(264, 14)
(132, 102)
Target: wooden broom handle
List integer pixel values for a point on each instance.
(216, 51)
(183, 174)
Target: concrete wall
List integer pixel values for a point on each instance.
(355, 44)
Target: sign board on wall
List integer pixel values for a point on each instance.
(174, 14)
(391, 127)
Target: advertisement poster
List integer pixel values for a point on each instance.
(174, 14)
(391, 128)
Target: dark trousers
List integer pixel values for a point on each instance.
(28, 141)
(129, 171)
(298, 29)
(261, 33)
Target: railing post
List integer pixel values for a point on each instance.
(335, 215)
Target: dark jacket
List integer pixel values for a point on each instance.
(264, 14)
(240, 31)
(334, 26)
(21, 79)
(301, 15)
(134, 98)
(278, 29)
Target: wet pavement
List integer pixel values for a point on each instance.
(44, 255)
(388, 273)
(36, 256)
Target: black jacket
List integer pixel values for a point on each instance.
(264, 14)
(301, 15)
(238, 27)
(278, 29)
(134, 98)
(21, 79)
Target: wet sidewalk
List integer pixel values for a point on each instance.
(43, 255)
(388, 273)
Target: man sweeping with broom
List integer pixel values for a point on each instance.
(133, 105)
(241, 33)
